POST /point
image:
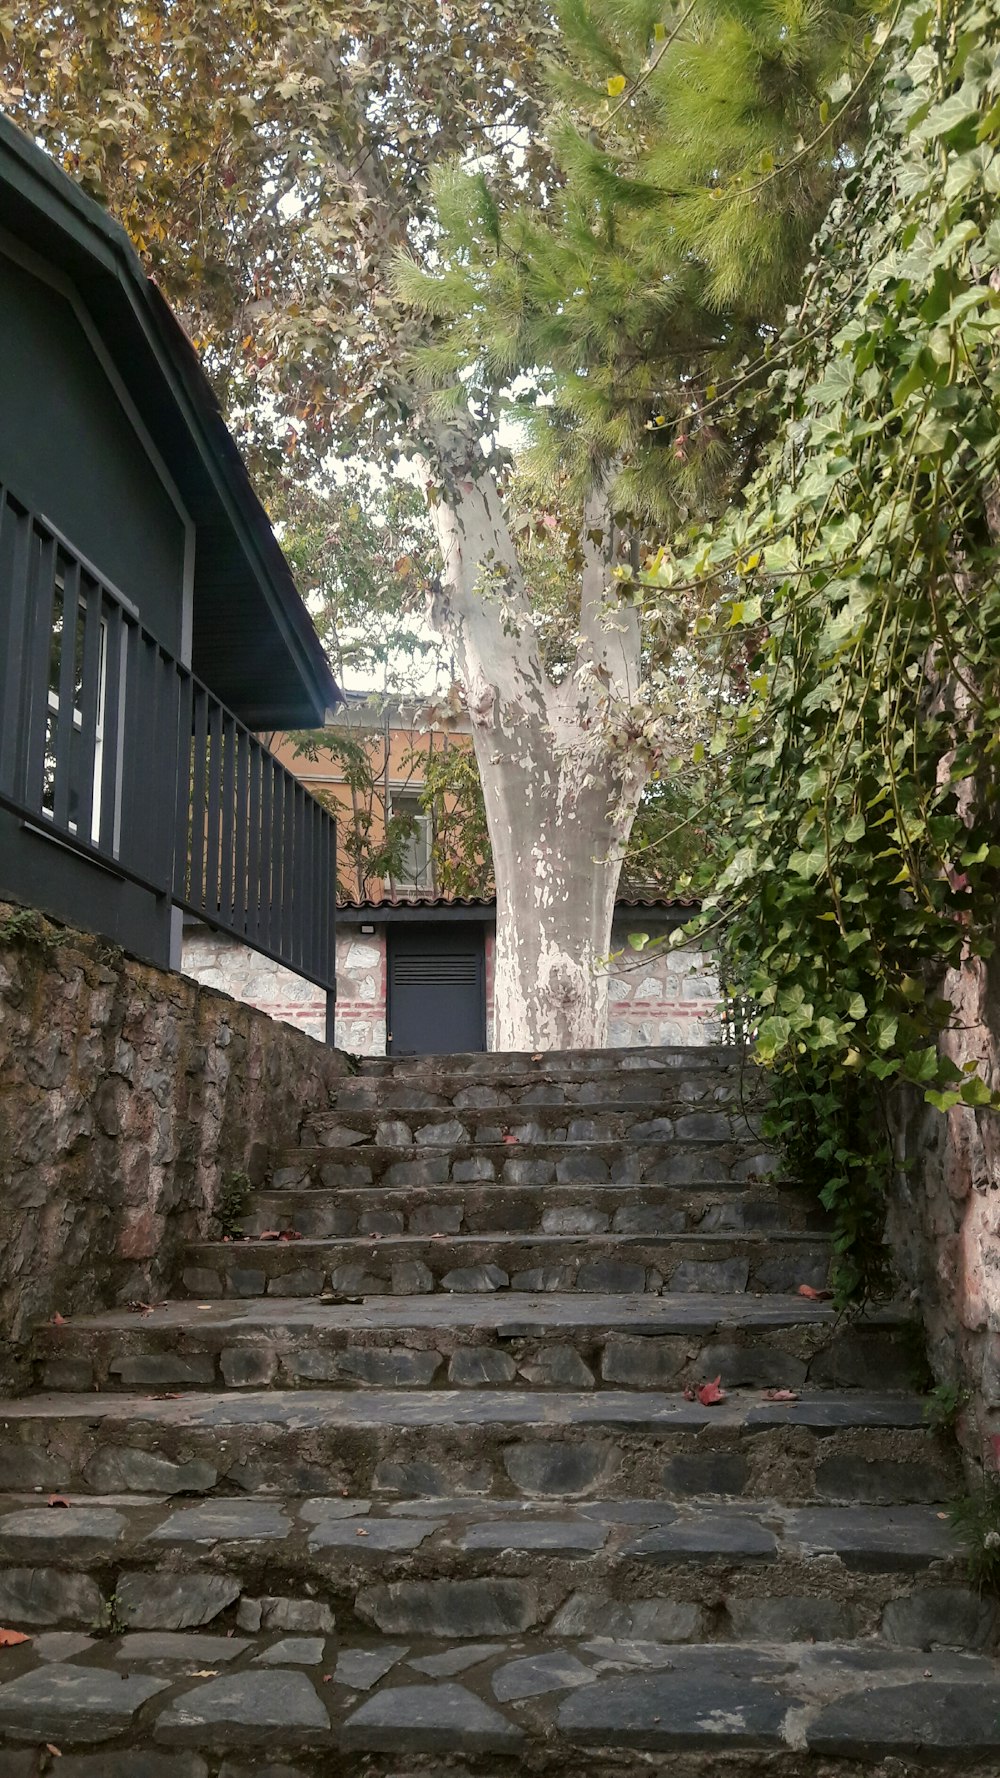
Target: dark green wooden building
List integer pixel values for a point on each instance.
(149, 623)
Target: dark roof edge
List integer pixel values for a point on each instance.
(81, 218)
(483, 909)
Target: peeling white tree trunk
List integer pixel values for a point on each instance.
(560, 795)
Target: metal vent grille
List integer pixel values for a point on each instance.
(411, 972)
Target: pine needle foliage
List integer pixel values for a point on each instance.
(696, 147)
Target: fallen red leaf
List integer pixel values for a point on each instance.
(269, 1235)
(815, 1296)
(709, 1394)
(11, 1638)
(290, 1235)
(58, 1320)
(781, 1395)
(509, 1138)
(58, 1500)
(689, 1392)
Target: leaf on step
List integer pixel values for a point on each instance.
(508, 1138)
(204, 1673)
(361, 1532)
(58, 1320)
(815, 1296)
(167, 1395)
(710, 1394)
(290, 1235)
(12, 1638)
(538, 1057)
(56, 1752)
(689, 1392)
(269, 1235)
(57, 1500)
(781, 1395)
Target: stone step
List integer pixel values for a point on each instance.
(550, 1705)
(612, 1443)
(538, 1342)
(660, 1087)
(562, 1064)
(821, 1570)
(408, 1265)
(528, 1209)
(524, 1163)
(446, 1127)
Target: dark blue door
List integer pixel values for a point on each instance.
(437, 989)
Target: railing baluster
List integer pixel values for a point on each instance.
(227, 890)
(266, 858)
(242, 743)
(113, 762)
(92, 715)
(279, 790)
(212, 885)
(255, 830)
(16, 535)
(308, 927)
(183, 884)
(198, 811)
(35, 691)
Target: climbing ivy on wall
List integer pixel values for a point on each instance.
(861, 851)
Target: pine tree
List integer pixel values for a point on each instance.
(697, 154)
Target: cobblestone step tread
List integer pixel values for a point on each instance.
(825, 1410)
(510, 1313)
(359, 1531)
(520, 1698)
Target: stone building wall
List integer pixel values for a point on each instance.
(661, 995)
(657, 996)
(127, 1095)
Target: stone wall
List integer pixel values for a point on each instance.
(217, 961)
(361, 991)
(127, 1094)
(658, 996)
(944, 1219)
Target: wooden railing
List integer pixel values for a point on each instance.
(114, 746)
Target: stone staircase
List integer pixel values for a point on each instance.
(418, 1470)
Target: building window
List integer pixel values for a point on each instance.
(415, 871)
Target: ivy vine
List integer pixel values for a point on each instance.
(861, 853)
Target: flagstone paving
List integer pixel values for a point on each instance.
(416, 1480)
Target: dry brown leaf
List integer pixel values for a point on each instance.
(12, 1638)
